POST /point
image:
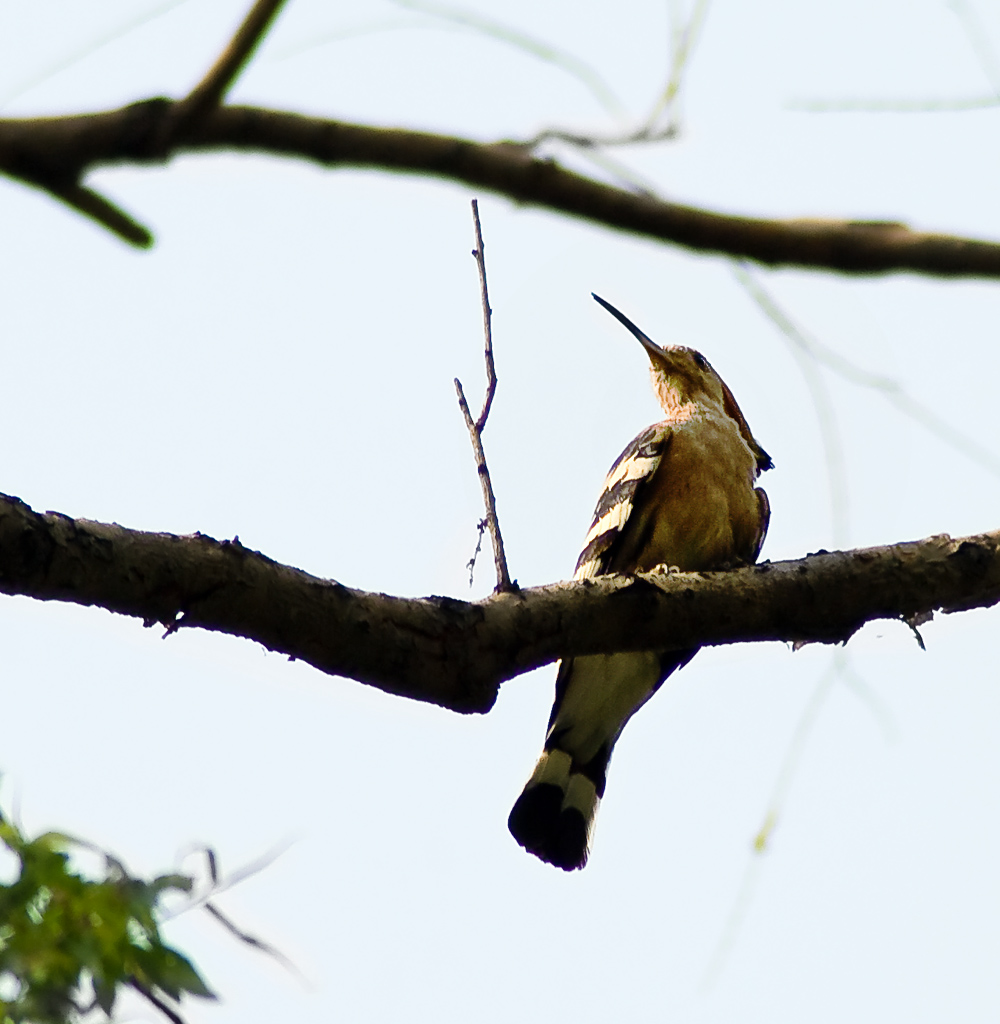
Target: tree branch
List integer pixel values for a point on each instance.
(219, 78)
(457, 653)
(42, 149)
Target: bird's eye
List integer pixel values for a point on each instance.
(701, 361)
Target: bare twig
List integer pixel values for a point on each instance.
(476, 427)
(890, 389)
(471, 563)
(893, 106)
(252, 940)
(218, 884)
(779, 795)
(209, 92)
(986, 58)
(979, 40)
(656, 127)
(149, 994)
(644, 133)
(833, 446)
(683, 44)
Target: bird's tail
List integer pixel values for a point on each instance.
(553, 817)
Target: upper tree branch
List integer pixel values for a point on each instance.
(64, 183)
(43, 149)
(456, 653)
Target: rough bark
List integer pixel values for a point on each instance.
(53, 154)
(457, 653)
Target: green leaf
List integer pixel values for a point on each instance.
(105, 994)
(175, 974)
(60, 930)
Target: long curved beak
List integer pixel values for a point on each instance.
(647, 343)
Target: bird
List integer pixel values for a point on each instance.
(681, 497)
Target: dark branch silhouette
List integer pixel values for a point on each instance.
(52, 152)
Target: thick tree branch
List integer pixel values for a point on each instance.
(42, 150)
(457, 653)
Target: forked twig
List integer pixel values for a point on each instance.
(476, 427)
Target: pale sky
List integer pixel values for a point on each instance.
(280, 367)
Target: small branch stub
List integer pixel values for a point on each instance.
(476, 427)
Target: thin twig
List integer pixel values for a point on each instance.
(683, 45)
(890, 389)
(651, 130)
(252, 940)
(786, 775)
(491, 374)
(644, 133)
(471, 563)
(808, 363)
(219, 78)
(156, 1001)
(893, 106)
(499, 558)
(219, 883)
(476, 426)
(979, 40)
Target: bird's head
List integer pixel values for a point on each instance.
(683, 377)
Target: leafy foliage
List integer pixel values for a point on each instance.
(63, 936)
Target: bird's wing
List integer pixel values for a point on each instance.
(626, 477)
(765, 517)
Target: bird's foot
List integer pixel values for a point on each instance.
(665, 570)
